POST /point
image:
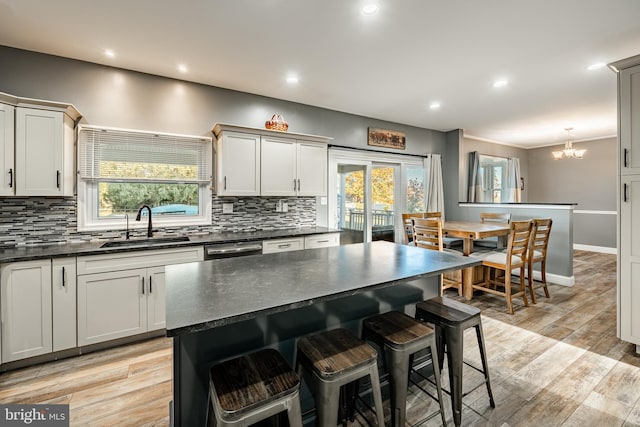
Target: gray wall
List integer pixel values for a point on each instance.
(114, 97)
(590, 182)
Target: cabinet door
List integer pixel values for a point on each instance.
(278, 168)
(156, 297)
(111, 305)
(322, 241)
(39, 152)
(63, 289)
(629, 286)
(282, 245)
(7, 179)
(312, 169)
(629, 81)
(238, 165)
(26, 309)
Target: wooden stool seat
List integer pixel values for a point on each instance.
(332, 359)
(252, 387)
(400, 337)
(334, 352)
(450, 319)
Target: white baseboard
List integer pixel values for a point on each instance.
(551, 278)
(590, 248)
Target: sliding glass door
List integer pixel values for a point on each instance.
(368, 192)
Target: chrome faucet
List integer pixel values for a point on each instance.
(149, 226)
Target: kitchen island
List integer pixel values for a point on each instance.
(221, 308)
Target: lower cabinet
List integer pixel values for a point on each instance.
(116, 301)
(38, 304)
(322, 240)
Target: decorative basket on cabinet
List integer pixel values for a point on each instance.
(277, 123)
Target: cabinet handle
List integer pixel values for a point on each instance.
(225, 182)
(10, 178)
(323, 241)
(298, 184)
(63, 284)
(624, 193)
(284, 245)
(57, 179)
(142, 285)
(150, 285)
(625, 161)
(294, 184)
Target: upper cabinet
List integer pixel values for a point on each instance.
(37, 144)
(287, 164)
(629, 113)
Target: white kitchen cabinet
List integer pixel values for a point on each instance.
(287, 164)
(629, 114)
(238, 164)
(25, 301)
(111, 305)
(37, 147)
(283, 245)
(123, 294)
(7, 180)
(629, 200)
(629, 260)
(322, 240)
(293, 168)
(64, 294)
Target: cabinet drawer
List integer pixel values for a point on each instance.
(282, 245)
(322, 240)
(129, 260)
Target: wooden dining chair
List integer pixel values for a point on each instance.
(427, 234)
(540, 232)
(492, 217)
(408, 226)
(515, 257)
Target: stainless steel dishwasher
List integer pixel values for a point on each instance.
(231, 250)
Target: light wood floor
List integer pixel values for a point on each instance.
(558, 363)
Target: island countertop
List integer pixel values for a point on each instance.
(208, 294)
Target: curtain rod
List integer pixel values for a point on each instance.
(425, 156)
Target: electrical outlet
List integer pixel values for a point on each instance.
(227, 208)
(285, 207)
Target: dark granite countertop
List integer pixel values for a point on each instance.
(204, 295)
(28, 253)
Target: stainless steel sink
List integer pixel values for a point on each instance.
(144, 242)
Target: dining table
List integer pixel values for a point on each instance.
(470, 231)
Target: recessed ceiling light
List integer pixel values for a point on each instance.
(291, 79)
(109, 53)
(182, 68)
(596, 66)
(369, 9)
(434, 105)
(500, 83)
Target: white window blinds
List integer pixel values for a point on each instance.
(129, 155)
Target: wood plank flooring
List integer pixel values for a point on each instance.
(557, 363)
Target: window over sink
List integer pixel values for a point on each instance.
(121, 170)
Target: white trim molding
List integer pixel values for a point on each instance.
(551, 278)
(591, 248)
(595, 212)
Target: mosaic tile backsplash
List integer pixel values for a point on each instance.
(41, 220)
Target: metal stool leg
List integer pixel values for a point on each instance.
(398, 366)
(377, 394)
(326, 402)
(455, 341)
(436, 374)
(485, 366)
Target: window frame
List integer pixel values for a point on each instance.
(87, 195)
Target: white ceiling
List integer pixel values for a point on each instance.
(389, 66)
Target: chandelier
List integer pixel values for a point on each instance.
(568, 152)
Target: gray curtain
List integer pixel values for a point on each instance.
(474, 191)
(513, 192)
(435, 187)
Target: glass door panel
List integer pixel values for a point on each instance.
(415, 189)
(383, 202)
(351, 212)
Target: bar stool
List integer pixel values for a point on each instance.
(334, 358)
(451, 318)
(251, 388)
(400, 337)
